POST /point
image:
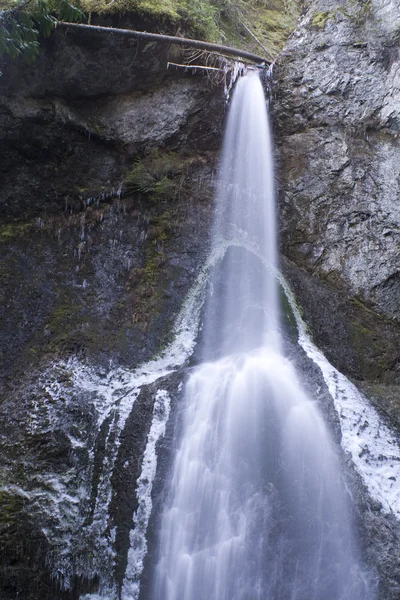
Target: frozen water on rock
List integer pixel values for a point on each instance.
(61, 499)
(138, 549)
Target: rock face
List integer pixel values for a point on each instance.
(337, 121)
(104, 189)
(336, 115)
(106, 185)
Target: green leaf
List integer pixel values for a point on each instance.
(22, 25)
(68, 11)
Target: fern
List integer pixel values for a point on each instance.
(155, 185)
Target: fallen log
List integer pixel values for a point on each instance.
(168, 39)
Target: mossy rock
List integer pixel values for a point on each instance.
(321, 18)
(10, 506)
(12, 231)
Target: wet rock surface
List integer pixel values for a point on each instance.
(107, 177)
(335, 112)
(337, 121)
(357, 340)
(106, 184)
(76, 64)
(105, 203)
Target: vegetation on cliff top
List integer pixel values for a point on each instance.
(22, 22)
(246, 24)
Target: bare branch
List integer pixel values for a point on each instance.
(194, 67)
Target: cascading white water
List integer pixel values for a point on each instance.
(246, 294)
(256, 507)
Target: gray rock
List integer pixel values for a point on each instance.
(337, 114)
(94, 269)
(336, 110)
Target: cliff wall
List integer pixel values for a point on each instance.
(337, 122)
(108, 167)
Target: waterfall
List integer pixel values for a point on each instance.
(255, 506)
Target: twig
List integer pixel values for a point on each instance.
(172, 64)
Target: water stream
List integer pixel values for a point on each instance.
(255, 507)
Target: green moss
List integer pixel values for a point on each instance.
(160, 164)
(271, 21)
(6, 4)
(61, 314)
(160, 8)
(361, 12)
(361, 338)
(61, 327)
(360, 330)
(213, 20)
(320, 19)
(386, 397)
(274, 27)
(152, 265)
(370, 344)
(10, 506)
(288, 318)
(96, 128)
(199, 16)
(13, 231)
(361, 306)
(147, 300)
(146, 281)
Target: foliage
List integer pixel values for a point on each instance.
(213, 20)
(197, 18)
(205, 17)
(154, 179)
(269, 21)
(242, 23)
(22, 22)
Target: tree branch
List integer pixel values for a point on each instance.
(168, 39)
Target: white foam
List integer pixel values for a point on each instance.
(138, 549)
(119, 389)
